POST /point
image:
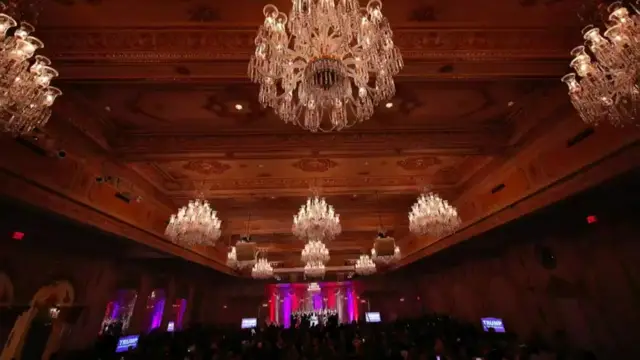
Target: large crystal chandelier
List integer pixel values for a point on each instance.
(262, 269)
(315, 251)
(194, 224)
(310, 63)
(606, 88)
(432, 215)
(25, 94)
(314, 270)
(365, 266)
(316, 221)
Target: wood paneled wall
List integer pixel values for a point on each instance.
(550, 272)
(214, 298)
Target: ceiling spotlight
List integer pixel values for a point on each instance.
(239, 107)
(388, 105)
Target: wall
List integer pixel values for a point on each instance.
(213, 298)
(99, 264)
(552, 271)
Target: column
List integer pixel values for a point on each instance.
(170, 300)
(140, 309)
(186, 320)
(277, 307)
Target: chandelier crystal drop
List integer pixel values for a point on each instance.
(314, 270)
(316, 221)
(194, 224)
(315, 251)
(432, 215)
(25, 95)
(262, 269)
(326, 65)
(605, 85)
(365, 266)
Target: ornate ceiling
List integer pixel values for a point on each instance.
(156, 101)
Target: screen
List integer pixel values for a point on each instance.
(372, 317)
(492, 323)
(249, 323)
(126, 342)
(171, 326)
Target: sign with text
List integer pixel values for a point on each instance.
(126, 343)
(493, 323)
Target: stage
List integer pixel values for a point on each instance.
(297, 304)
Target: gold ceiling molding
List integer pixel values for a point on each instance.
(211, 43)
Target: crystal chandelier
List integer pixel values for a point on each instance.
(262, 269)
(314, 270)
(313, 287)
(432, 215)
(365, 266)
(315, 251)
(317, 221)
(194, 224)
(606, 88)
(310, 63)
(25, 94)
(386, 259)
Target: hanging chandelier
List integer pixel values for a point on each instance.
(194, 224)
(25, 95)
(313, 287)
(606, 88)
(316, 221)
(310, 63)
(315, 251)
(432, 215)
(314, 270)
(262, 269)
(365, 266)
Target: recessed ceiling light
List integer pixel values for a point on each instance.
(239, 107)
(388, 105)
(107, 108)
(510, 103)
(260, 165)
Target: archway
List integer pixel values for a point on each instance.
(40, 319)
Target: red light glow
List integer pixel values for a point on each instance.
(17, 235)
(592, 219)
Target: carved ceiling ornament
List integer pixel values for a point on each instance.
(419, 163)
(209, 44)
(315, 165)
(245, 184)
(203, 167)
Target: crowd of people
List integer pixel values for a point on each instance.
(427, 338)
